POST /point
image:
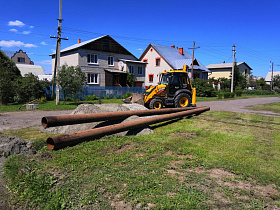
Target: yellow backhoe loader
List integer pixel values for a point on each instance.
(173, 90)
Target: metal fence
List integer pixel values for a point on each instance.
(100, 92)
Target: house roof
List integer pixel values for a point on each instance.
(79, 45)
(225, 65)
(132, 61)
(268, 76)
(34, 69)
(175, 59)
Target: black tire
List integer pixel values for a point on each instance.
(182, 100)
(156, 104)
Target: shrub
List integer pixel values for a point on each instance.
(238, 93)
(91, 98)
(232, 95)
(128, 94)
(43, 100)
(227, 94)
(106, 97)
(258, 92)
(220, 95)
(203, 88)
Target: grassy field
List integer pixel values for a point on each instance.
(214, 160)
(274, 107)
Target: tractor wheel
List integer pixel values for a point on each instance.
(182, 100)
(156, 104)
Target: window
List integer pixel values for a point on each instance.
(246, 72)
(151, 77)
(157, 61)
(110, 60)
(145, 60)
(131, 69)
(140, 70)
(92, 78)
(21, 60)
(92, 58)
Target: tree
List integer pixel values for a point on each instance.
(71, 80)
(130, 79)
(239, 79)
(203, 88)
(29, 88)
(9, 73)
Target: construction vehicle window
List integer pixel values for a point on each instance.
(165, 79)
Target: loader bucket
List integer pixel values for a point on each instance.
(135, 98)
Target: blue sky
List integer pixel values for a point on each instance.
(253, 26)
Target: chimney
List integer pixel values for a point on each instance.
(173, 46)
(79, 41)
(181, 51)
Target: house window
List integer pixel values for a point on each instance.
(246, 72)
(151, 77)
(92, 58)
(145, 60)
(92, 78)
(158, 61)
(110, 60)
(21, 60)
(131, 69)
(140, 70)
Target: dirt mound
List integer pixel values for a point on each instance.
(98, 108)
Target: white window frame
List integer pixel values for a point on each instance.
(131, 69)
(110, 60)
(92, 57)
(94, 78)
(141, 69)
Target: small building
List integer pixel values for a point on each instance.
(104, 61)
(27, 68)
(224, 70)
(269, 74)
(160, 58)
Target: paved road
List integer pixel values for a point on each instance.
(16, 120)
(240, 104)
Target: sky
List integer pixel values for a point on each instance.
(215, 26)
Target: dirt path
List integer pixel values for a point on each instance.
(240, 104)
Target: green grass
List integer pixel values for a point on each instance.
(273, 107)
(244, 96)
(172, 168)
(51, 105)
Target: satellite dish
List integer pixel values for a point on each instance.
(121, 65)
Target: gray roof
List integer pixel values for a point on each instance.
(268, 76)
(9, 53)
(224, 65)
(27, 68)
(176, 59)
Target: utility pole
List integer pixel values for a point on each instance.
(57, 54)
(193, 58)
(271, 76)
(232, 71)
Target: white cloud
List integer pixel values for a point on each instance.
(53, 50)
(16, 23)
(45, 62)
(44, 43)
(26, 32)
(31, 27)
(14, 30)
(14, 43)
(140, 49)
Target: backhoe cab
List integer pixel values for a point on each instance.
(173, 90)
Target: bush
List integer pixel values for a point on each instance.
(258, 92)
(220, 95)
(203, 88)
(106, 97)
(238, 93)
(232, 95)
(227, 94)
(91, 98)
(43, 100)
(128, 94)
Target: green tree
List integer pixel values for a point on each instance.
(130, 79)
(29, 88)
(203, 88)
(9, 73)
(71, 80)
(239, 79)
